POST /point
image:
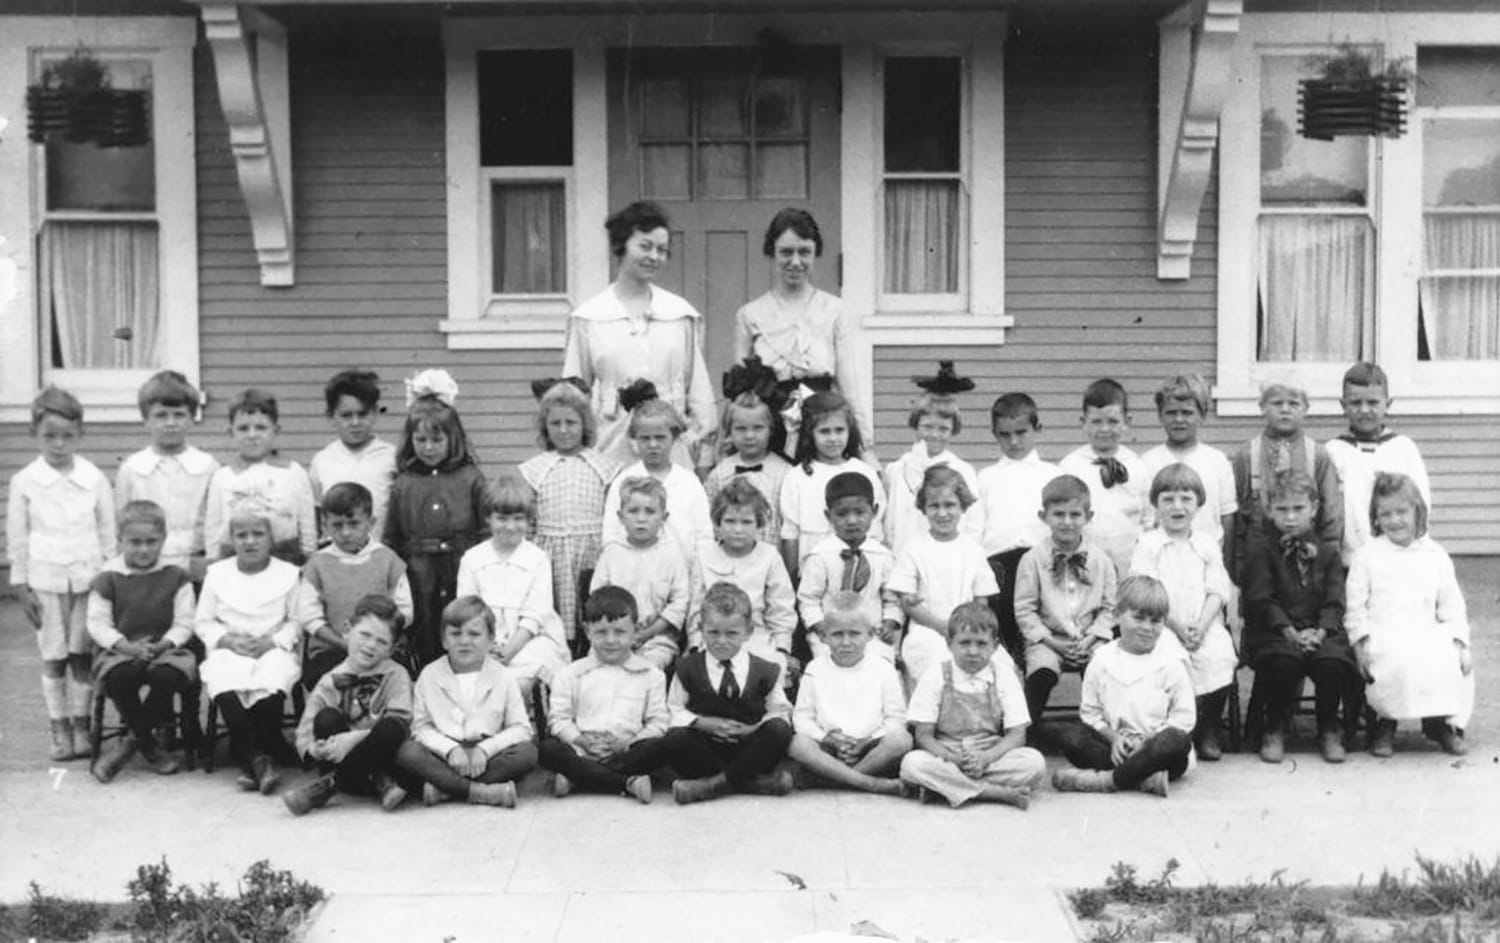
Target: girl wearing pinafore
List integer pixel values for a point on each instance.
(437, 505)
(570, 479)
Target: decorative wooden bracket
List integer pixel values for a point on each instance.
(250, 61)
(1197, 48)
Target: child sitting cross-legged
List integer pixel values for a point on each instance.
(1137, 711)
(608, 709)
(651, 567)
(970, 719)
(470, 736)
(247, 621)
(730, 718)
(357, 715)
(140, 615)
(850, 718)
(1294, 625)
(1065, 593)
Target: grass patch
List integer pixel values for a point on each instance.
(1440, 903)
(269, 906)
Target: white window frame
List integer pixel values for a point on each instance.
(167, 43)
(520, 305)
(1433, 387)
(953, 301)
(862, 37)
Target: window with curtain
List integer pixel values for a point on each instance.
(526, 157)
(923, 175)
(97, 250)
(1458, 99)
(1315, 269)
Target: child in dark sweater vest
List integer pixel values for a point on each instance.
(730, 716)
(140, 614)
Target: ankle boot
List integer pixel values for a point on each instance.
(114, 759)
(83, 746)
(1083, 780)
(1155, 784)
(314, 795)
(685, 791)
(62, 740)
(1383, 740)
(390, 792)
(780, 783)
(1206, 736)
(500, 794)
(1272, 744)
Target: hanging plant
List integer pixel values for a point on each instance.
(1352, 99)
(74, 99)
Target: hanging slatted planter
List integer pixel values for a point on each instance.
(74, 100)
(1351, 100)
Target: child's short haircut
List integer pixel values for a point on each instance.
(385, 609)
(1272, 387)
(938, 477)
(846, 602)
(1366, 373)
(726, 599)
(363, 385)
(168, 388)
(646, 485)
(1292, 483)
(608, 603)
(848, 485)
(250, 507)
(510, 494)
(1065, 488)
(255, 401)
(1106, 392)
(657, 409)
(750, 400)
(738, 492)
(973, 616)
(942, 407)
(1184, 388)
(1395, 484)
(464, 609)
(1015, 406)
(143, 512)
(562, 395)
(1144, 596)
(348, 498)
(56, 401)
(1178, 476)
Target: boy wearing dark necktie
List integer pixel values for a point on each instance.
(730, 717)
(850, 560)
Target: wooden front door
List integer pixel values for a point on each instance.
(723, 138)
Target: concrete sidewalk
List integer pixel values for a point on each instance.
(591, 868)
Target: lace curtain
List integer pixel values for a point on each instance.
(1316, 287)
(97, 284)
(527, 238)
(1461, 314)
(921, 236)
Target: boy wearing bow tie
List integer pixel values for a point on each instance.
(1115, 475)
(1065, 592)
(1294, 628)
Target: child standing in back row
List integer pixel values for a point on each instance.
(1115, 475)
(655, 428)
(828, 443)
(437, 504)
(258, 473)
(169, 471)
(755, 435)
(936, 421)
(357, 455)
(1181, 404)
(60, 528)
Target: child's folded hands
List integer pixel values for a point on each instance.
(137, 650)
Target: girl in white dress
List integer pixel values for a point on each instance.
(1406, 619)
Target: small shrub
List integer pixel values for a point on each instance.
(60, 918)
(1089, 902)
(1122, 885)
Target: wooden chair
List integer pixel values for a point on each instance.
(186, 727)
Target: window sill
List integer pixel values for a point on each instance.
(546, 332)
(961, 330)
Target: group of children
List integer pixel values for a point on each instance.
(419, 603)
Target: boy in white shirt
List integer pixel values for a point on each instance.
(1181, 404)
(1115, 475)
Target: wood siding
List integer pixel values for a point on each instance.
(367, 127)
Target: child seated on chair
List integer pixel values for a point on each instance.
(651, 567)
(1294, 625)
(247, 621)
(731, 721)
(514, 578)
(358, 715)
(337, 577)
(470, 736)
(140, 615)
(970, 719)
(608, 710)
(850, 718)
(1065, 592)
(1137, 712)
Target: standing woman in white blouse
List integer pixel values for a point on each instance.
(635, 330)
(797, 329)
